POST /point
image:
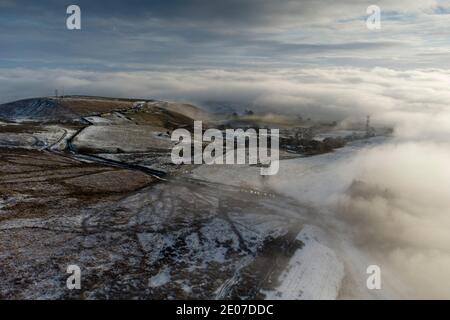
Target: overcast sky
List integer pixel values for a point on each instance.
(144, 48)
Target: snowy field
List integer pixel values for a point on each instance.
(313, 273)
(126, 138)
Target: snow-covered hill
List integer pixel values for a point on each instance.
(38, 109)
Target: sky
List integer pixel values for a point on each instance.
(136, 35)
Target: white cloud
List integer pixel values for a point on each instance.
(409, 99)
(400, 212)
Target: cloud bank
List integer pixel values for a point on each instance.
(398, 209)
(413, 100)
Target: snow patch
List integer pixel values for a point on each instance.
(313, 273)
(162, 278)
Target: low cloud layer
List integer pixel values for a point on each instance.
(398, 209)
(413, 100)
(392, 201)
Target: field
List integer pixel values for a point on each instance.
(93, 185)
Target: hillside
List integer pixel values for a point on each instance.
(74, 108)
(38, 109)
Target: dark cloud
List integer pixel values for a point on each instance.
(242, 35)
(183, 33)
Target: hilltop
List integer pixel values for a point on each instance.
(75, 108)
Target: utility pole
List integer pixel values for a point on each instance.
(56, 93)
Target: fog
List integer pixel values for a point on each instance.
(390, 96)
(391, 199)
(399, 211)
